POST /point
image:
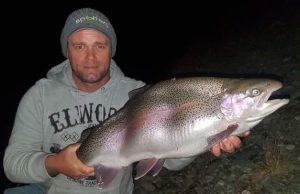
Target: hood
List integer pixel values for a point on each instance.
(62, 73)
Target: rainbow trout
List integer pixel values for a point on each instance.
(175, 118)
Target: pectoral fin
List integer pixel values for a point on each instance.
(222, 135)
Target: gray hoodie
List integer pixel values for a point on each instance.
(51, 115)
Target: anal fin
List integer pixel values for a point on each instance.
(144, 166)
(108, 177)
(157, 167)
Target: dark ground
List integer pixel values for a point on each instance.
(253, 38)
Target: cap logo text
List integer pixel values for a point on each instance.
(91, 18)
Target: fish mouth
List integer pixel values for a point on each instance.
(268, 108)
(274, 95)
(274, 100)
(278, 94)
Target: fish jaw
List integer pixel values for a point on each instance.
(267, 108)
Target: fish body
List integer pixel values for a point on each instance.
(176, 118)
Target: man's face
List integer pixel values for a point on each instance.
(89, 52)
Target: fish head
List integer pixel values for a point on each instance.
(248, 101)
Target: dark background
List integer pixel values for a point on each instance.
(151, 37)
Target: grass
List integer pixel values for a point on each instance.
(276, 162)
(274, 170)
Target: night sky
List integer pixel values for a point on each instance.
(150, 36)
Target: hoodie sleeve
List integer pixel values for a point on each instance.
(24, 158)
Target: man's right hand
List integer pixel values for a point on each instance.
(67, 163)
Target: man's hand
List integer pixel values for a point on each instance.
(67, 163)
(229, 144)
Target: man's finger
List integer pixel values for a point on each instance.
(216, 150)
(227, 146)
(236, 141)
(245, 134)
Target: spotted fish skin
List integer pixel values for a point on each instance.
(178, 118)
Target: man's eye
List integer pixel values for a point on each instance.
(100, 46)
(79, 47)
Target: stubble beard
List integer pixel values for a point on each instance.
(90, 78)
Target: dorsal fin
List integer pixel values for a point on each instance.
(137, 91)
(85, 133)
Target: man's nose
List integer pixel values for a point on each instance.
(91, 53)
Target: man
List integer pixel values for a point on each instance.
(80, 92)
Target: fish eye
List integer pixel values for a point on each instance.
(255, 92)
